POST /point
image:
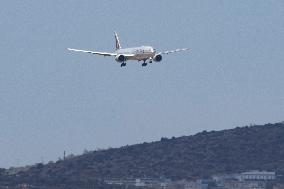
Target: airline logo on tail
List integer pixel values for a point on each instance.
(117, 43)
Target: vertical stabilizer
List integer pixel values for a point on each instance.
(117, 43)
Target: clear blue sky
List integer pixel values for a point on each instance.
(54, 100)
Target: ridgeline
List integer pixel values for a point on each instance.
(188, 157)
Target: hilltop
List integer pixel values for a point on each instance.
(259, 147)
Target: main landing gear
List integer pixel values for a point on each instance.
(123, 64)
(144, 63)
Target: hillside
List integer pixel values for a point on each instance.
(200, 155)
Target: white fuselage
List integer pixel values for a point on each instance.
(140, 53)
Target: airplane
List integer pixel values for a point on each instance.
(142, 53)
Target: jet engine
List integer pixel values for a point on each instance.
(120, 58)
(157, 58)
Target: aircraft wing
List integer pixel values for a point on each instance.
(93, 52)
(173, 51)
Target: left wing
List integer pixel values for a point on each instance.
(93, 52)
(173, 51)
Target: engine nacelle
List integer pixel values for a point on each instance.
(157, 58)
(120, 58)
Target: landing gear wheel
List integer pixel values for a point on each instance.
(144, 64)
(123, 64)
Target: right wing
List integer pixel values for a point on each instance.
(93, 52)
(173, 51)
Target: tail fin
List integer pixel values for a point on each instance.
(117, 43)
